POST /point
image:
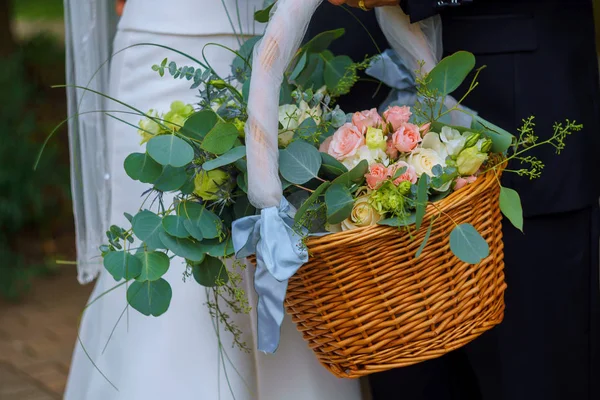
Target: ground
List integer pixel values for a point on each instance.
(37, 337)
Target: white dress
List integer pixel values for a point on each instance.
(175, 356)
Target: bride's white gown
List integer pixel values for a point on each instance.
(175, 356)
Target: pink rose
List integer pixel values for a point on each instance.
(409, 175)
(397, 116)
(406, 138)
(391, 150)
(324, 148)
(377, 174)
(424, 129)
(366, 119)
(345, 142)
(462, 182)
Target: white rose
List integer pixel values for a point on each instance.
(363, 214)
(453, 140)
(432, 141)
(289, 117)
(365, 153)
(305, 112)
(285, 138)
(423, 161)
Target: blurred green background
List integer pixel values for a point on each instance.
(36, 227)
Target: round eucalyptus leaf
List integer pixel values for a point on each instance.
(141, 167)
(147, 226)
(299, 162)
(335, 70)
(216, 248)
(171, 179)
(121, 264)
(339, 202)
(211, 272)
(183, 247)
(205, 220)
(199, 124)
(170, 150)
(150, 297)
(154, 265)
(467, 244)
(173, 225)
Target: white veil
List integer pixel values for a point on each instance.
(89, 28)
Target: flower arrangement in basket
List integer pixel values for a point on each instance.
(381, 231)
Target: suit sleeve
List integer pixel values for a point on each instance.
(421, 9)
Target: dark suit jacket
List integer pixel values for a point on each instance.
(540, 59)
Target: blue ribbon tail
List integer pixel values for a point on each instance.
(279, 253)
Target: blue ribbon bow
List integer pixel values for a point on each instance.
(279, 253)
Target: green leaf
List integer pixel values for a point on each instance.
(243, 208)
(140, 167)
(239, 67)
(128, 216)
(299, 162)
(321, 42)
(171, 179)
(467, 244)
(210, 272)
(221, 138)
(450, 73)
(173, 225)
(207, 222)
(147, 226)
(263, 15)
(399, 172)
(154, 265)
(307, 129)
(510, 205)
(183, 247)
(216, 248)
(355, 175)
(170, 150)
(331, 166)
(242, 182)
(311, 75)
(501, 139)
(121, 264)
(230, 157)
(311, 200)
(339, 203)
(335, 70)
(150, 297)
(425, 239)
(421, 199)
(396, 222)
(197, 125)
(299, 66)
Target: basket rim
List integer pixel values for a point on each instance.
(453, 200)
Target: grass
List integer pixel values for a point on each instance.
(38, 9)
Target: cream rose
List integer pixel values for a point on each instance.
(423, 161)
(363, 214)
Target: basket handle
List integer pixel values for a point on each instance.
(272, 55)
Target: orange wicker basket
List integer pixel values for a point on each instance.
(365, 304)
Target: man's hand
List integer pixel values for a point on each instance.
(368, 3)
(119, 7)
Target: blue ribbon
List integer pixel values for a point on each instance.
(279, 253)
(390, 69)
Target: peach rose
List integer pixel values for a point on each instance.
(324, 148)
(377, 174)
(391, 150)
(366, 119)
(410, 175)
(425, 128)
(397, 116)
(462, 182)
(345, 142)
(406, 138)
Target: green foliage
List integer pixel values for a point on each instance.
(121, 264)
(150, 297)
(221, 138)
(147, 226)
(422, 187)
(468, 245)
(210, 272)
(228, 158)
(199, 124)
(339, 202)
(141, 167)
(185, 248)
(332, 167)
(154, 265)
(171, 179)
(510, 205)
(450, 73)
(299, 162)
(170, 150)
(355, 175)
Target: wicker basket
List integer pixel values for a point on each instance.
(365, 304)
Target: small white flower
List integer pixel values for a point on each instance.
(453, 140)
(365, 153)
(289, 117)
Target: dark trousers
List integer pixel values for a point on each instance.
(547, 348)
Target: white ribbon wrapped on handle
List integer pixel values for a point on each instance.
(278, 248)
